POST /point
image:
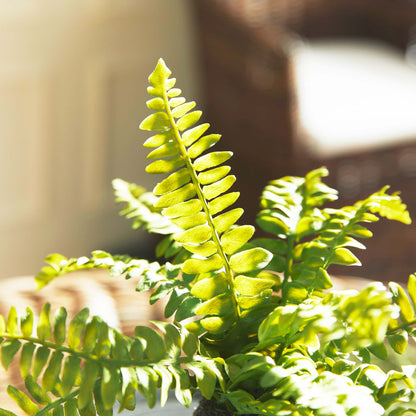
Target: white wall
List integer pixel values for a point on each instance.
(73, 78)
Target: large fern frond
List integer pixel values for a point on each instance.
(89, 366)
(196, 197)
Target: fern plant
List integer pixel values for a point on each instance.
(253, 323)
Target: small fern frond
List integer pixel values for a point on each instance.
(311, 237)
(195, 197)
(117, 265)
(87, 365)
(139, 206)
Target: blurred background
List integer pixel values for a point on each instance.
(291, 84)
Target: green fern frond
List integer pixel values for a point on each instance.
(195, 197)
(88, 365)
(139, 206)
(118, 265)
(312, 238)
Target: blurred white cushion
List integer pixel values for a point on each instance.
(353, 94)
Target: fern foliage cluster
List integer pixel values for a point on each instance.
(254, 324)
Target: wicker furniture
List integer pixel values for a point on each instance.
(248, 79)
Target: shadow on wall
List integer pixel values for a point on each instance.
(73, 82)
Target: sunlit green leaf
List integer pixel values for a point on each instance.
(165, 165)
(211, 160)
(22, 400)
(218, 188)
(192, 135)
(188, 120)
(222, 202)
(9, 349)
(204, 143)
(195, 235)
(248, 260)
(172, 182)
(250, 286)
(155, 121)
(236, 238)
(182, 109)
(219, 305)
(183, 209)
(177, 196)
(195, 266)
(210, 287)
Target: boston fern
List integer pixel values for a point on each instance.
(253, 326)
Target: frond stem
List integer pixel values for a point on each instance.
(201, 197)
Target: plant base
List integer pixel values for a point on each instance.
(209, 408)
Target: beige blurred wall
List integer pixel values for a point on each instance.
(73, 77)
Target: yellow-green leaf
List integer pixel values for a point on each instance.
(248, 260)
(209, 287)
(218, 188)
(59, 325)
(155, 347)
(195, 235)
(183, 209)
(222, 202)
(192, 135)
(36, 391)
(156, 104)
(196, 266)
(250, 286)
(165, 150)
(203, 144)
(76, 327)
(172, 182)
(213, 175)
(160, 138)
(174, 102)
(41, 357)
(89, 377)
(182, 109)
(156, 121)
(44, 330)
(188, 120)
(109, 386)
(165, 165)
(182, 194)
(216, 324)
(11, 323)
(248, 302)
(52, 371)
(159, 74)
(190, 220)
(236, 238)
(398, 341)
(70, 372)
(211, 160)
(224, 221)
(22, 400)
(9, 349)
(206, 249)
(401, 299)
(26, 323)
(26, 357)
(219, 305)
(343, 256)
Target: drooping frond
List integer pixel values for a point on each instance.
(88, 366)
(139, 206)
(117, 265)
(196, 197)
